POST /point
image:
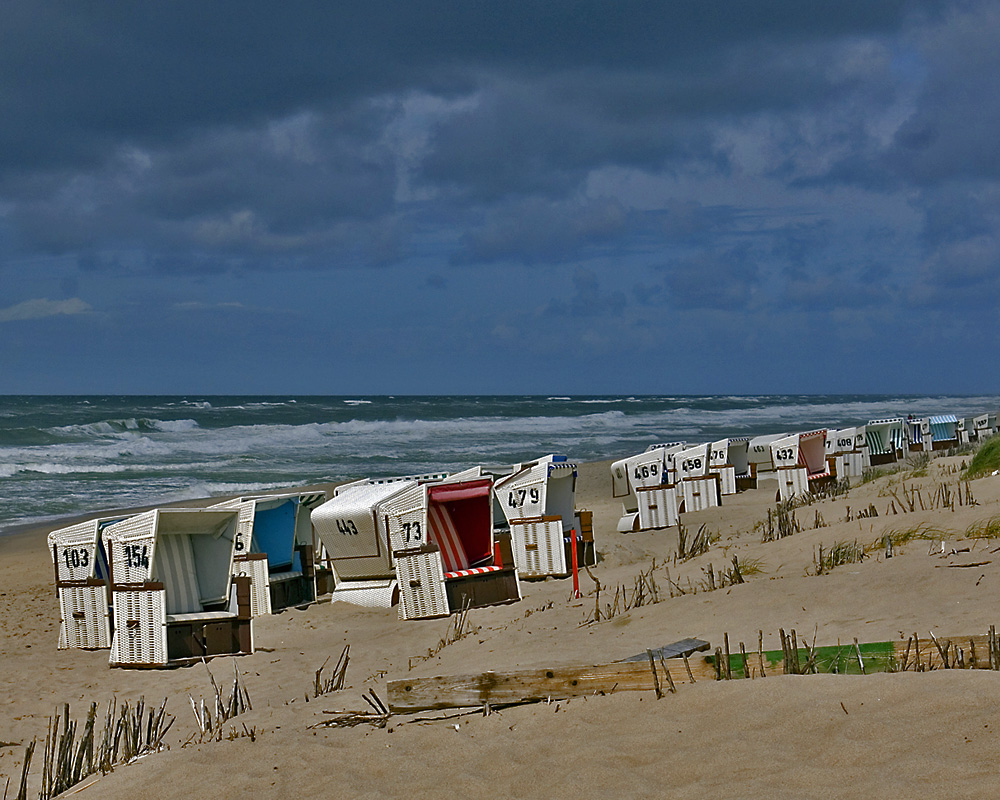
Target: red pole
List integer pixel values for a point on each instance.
(576, 567)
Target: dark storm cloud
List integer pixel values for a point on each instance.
(733, 161)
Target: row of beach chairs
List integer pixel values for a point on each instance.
(666, 480)
(171, 586)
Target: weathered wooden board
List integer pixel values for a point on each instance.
(561, 682)
(527, 686)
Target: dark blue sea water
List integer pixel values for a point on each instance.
(62, 456)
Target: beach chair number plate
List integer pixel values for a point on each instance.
(347, 527)
(690, 464)
(784, 454)
(519, 497)
(238, 544)
(411, 531)
(137, 556)
(646, 471)
(76, 557)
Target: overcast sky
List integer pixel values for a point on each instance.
(494, 197)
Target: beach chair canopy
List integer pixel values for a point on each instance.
(542, 488)
(351, 526)
(759, 450)
(693, 462)
(803, 450)
(844, 440)
(78, 551)
(454, 515)
(273, 525)
(885, 436)
(943, 427)
(734, 452)
(189, 551)
(649, 468)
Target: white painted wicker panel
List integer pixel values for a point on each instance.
(851, 465)
(145, 642)
(793, 481)
(700, 493)
(370, 594)
(421, 586)
(244, 523)
(130, 545)
(406, 515)
(785, 452)
(351, 529)
(693, 462)
(657, 507)
(260, 593)
(75, 550)
(646, 469)
(522, 495)
(538, 548)
(84, 617)
(727, 478)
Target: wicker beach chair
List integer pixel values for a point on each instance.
(447, 555)
(174, 598)
(646, 484)
(275, 548)
(81, 570)
(701, 487)
(918, 434)
(847, 451)
(943, 430)
(352, 527)
(538, 500)
(886, 438)
(730, 460)
(800, 463)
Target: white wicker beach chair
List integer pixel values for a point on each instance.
(538, 500)
(275, 548)
(646, 483)
(447, 554)
(847, 451)
(174, 597)
(701, 487)
(81, 569)
(800, 463)
(730, 460)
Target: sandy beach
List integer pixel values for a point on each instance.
(786, 736)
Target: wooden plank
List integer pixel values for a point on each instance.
(559, 683)
(531, 686)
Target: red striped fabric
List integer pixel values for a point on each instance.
(462, 573)
(443, 534)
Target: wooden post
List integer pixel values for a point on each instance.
(656, 679)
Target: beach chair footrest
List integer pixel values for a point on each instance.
(483, 589)
(208, 635)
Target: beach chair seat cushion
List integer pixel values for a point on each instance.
(175, 568)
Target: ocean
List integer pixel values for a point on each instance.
(64, 456)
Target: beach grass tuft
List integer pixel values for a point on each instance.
(986, 460)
